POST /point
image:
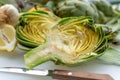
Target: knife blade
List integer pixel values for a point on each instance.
(58, 74)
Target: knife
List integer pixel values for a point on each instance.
(58, 74)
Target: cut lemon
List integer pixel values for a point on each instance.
(7, 38)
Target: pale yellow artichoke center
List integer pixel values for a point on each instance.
(75, 40)
(38, 28)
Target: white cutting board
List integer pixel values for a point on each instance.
(15, 59)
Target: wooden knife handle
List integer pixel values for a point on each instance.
(72, 75)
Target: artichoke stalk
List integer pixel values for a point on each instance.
(71, 41)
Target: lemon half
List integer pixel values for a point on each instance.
(7, 38)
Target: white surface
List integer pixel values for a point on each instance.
(15, 59)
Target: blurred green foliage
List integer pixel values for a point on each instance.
(7, 2)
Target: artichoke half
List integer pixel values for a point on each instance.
(71, 41)
(33, 27)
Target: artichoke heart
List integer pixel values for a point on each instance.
(33, 27)
(74, 38)
(72, 41)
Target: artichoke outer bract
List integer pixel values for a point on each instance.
(72, 41)
(105, 7)
(33, 27)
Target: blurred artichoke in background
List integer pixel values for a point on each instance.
(100, 10)
(105, 7)
(68, 8)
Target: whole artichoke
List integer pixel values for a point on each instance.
(105, 7)
(71, 41)
(100, 10)
(67, 8)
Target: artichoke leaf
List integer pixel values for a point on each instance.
(110, 56)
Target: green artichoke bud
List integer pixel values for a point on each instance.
(33, 27)
(68, 8)
(105, 7)
(71, 41)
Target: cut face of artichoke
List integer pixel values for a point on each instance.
(72, 41)
(33, 27)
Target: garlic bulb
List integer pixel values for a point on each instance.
(9, 14)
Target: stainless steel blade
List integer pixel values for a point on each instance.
(24, 71)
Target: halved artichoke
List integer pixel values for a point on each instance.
(33, 27)
(72, 41)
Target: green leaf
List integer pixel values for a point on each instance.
(111, 56)
(8, 2)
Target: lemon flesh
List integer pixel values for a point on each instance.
(7, 38)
